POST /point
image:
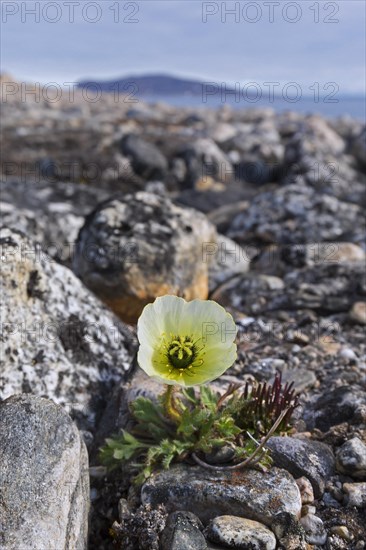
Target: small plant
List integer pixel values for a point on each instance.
(189, 424)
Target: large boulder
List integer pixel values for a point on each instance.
(59, 341)
(44, 492)
(135, 248)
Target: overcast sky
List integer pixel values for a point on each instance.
(325, 42)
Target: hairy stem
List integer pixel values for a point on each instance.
(169, 404)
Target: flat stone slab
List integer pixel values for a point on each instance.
(248, 493)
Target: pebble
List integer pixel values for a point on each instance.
(306, 490)
(348, 353)
(355, 494)
(183, 532)
(342, 531)
(351, 458)
(306, 509)
(314, 529)
(240, 533)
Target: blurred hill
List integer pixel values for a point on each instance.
(157, 84)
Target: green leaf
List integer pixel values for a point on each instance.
(147, 411)
(208, 398)
(190, 394)
(121, 448)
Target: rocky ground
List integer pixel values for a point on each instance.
(106, 205)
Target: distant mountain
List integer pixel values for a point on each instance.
(149, 85)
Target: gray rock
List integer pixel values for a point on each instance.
(250, 293)
(183, 532)
(351, 458)
(279, 260)
(141, 246)
(228, 259)
(326, 287)
(348, 354)
(359, 148)
(209, 200)
(248, 493)
(203, 159)
(49, 213)
(266, 368)
(59, 341)
(314, 135)
(223, 214)
(315, 156)
(314, 529)
(220, 455)
(256, 172)
(147, 161)
(222, 132)
(355, 494)
(301, 457)
(297, 214)
(258, 140)
(329, 287)
(44, 493)
(240, 533)
(338, 405)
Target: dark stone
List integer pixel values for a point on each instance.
(256, 172)
(302, 457)
(208, 201)
(336, 406)
(203, 158)
(147, 161)
(183, 532)
(351, 458)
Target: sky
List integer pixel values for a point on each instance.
(305, 42)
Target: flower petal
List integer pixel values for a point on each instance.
(211, 322)
(205, 321)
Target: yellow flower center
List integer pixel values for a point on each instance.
(181, 352)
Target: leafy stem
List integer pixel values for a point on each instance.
(186, 424)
